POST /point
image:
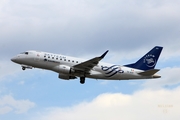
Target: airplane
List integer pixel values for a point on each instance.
(71, 67)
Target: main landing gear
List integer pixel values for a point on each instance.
(23, 68)
(82, 80)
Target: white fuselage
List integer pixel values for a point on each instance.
(55, 62)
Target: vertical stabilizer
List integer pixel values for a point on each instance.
(148, 61)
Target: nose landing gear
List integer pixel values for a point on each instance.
(82, 80)
(23, 68)
(26, 67)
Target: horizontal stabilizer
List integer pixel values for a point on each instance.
(149, 72)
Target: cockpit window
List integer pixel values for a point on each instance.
(25, 53)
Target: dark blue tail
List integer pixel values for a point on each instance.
(148, 61)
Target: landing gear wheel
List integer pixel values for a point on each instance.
(23, 68)
(82, 80)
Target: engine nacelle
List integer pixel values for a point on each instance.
(66, 77)
(63, 69)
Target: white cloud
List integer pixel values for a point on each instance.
(127, 28)
(8, 104)
(5, 109)
(142, 105)
(122, 25)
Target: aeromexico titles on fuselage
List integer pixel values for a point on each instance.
(109, 71)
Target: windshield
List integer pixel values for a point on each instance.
(24, 53)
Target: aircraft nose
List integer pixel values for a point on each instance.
(14, 59)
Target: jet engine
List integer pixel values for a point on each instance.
(66, 77)
(63, 69)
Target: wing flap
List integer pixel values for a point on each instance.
(149, 72)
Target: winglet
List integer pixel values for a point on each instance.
(103, 55)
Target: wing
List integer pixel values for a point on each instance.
(89, 64)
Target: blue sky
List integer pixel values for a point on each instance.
(127, 28)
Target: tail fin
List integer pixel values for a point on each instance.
(148, 61)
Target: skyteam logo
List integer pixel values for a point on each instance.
(150, 60)
(112, 70)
